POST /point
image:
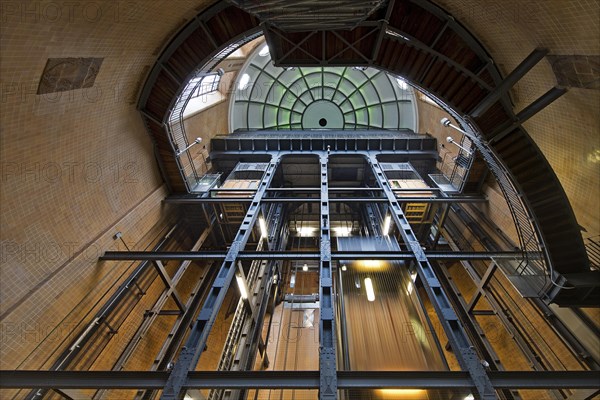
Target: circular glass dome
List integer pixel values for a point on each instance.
(336, 98)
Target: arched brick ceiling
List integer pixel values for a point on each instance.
(414, 39)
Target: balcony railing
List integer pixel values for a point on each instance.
(205, 81)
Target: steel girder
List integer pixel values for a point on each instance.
(458, 339)
(204, 200)
(307, 255)
(327, 331)
(296, 379)
(195, 344)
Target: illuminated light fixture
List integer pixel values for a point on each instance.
(371, 263)
(386, 225)
(412, 394)
(470, 397)
(305, 268)
(197, 141)
(361, 68)
(410, 286)
(264, 51)
(402, 83)
(242, 287)
(369, 289)
(187, 397)
(344, 267)
(343, 231)
(396, 34)
(357, 282)
(244, 80)
(263, 227)
(306, 231)
(450, 140)
(447, 123)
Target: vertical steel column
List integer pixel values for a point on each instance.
(194, 346)
(249, 341)
(471, 324)
(440, 225)
(462, 348)
(373, 219)
(327, 358)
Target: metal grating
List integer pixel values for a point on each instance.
(306, 15)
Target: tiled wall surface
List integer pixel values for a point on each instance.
(76, 166)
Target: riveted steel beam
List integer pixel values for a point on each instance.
(307, 255)
(296, 379)
(458, 339)
(195, 344)
(327, 332)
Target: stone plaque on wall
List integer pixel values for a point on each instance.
(62, 74)
(581, 71)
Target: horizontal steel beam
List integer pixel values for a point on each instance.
(284, 255)
(414, 154)
(525, 66)
(463, 255)
(337, 189)
(205, 200)
(296, 379)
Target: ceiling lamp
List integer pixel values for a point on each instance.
(306, 231)
(242, 287)
(263, 227)
(386, 225)
(343, 231)
(369, 289)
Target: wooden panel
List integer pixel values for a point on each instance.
(492, 119)
(230, 23)
(417, 22)
(192, 53)
(162, 94)
(454, 47)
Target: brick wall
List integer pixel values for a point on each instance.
(568, 131)
(76, 166)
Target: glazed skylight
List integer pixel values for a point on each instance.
(269, 97)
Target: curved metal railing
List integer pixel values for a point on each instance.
(175, 126)
(533, 269)
(528, 273)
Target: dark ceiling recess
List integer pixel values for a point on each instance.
(577, 71)
(302, 16)
(62, 74)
